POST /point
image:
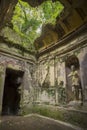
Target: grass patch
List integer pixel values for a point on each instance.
(69, 116)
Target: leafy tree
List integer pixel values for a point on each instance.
(27, 21)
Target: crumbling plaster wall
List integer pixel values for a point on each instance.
(52, 70)
(19, 64)
(83, 70)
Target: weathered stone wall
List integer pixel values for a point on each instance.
(52, 72)
(28, 87)
(2, 76)
(83, 70)
(19, 64)
(50, 75)
(45, 76)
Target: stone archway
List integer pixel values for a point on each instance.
(71, 60)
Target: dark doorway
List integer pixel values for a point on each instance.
(12, 92)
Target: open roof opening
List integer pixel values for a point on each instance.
(28, 21)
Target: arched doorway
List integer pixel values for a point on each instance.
(71, 61)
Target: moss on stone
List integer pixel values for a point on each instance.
(14, 39)
(70, 116)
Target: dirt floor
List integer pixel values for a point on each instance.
(33, 122)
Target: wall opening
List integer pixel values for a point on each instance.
(12, 92)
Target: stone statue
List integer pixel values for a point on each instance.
(76, 84)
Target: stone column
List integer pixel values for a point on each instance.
(56, 81)
(83, 72)
(2, 79)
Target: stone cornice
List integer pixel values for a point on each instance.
(77, 38)
(29, 58)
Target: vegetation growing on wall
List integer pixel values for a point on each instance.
(27, 21)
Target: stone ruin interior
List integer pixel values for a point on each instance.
(31, 81)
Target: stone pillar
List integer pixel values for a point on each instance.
(56, 81)
(2, 79)
(28, 91)
(83, 72)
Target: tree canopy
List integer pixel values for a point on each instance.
(27, 21)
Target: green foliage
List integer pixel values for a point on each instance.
(27, 21)
(51, 11)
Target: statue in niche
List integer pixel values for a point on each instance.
(76, 84)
